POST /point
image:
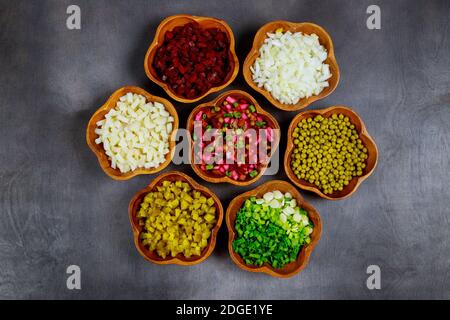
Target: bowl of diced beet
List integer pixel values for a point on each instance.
(191, 57)
(232, 139)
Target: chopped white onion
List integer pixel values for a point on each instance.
(291, 66)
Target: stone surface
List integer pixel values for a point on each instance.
(58, 208)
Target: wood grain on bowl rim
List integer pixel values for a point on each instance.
(179, 259)
(292, 268)
(306, 28)
(367, 140)
(216, 102)
(98, 149)
(178, 20)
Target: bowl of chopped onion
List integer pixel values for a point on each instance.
(272, 229)
(133, 133)
(292, 64)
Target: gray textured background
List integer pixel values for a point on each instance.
(58, 208)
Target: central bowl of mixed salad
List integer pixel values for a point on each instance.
(232, 139)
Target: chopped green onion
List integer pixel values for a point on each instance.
(209, 167)
(254, 173)
(260, 124)
(271, 230)
(252, 108)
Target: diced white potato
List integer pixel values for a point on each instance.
(135, 134)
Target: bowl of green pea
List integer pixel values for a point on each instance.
(329, 152)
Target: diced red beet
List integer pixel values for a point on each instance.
(191, 60)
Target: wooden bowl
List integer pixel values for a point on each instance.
(105, 164)
(180, 259)
(180, 20)
(217, 102)
(306, 28)
(367, 141)
(302, 260)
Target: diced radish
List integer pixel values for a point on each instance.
(198, 116)
(230, 99)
